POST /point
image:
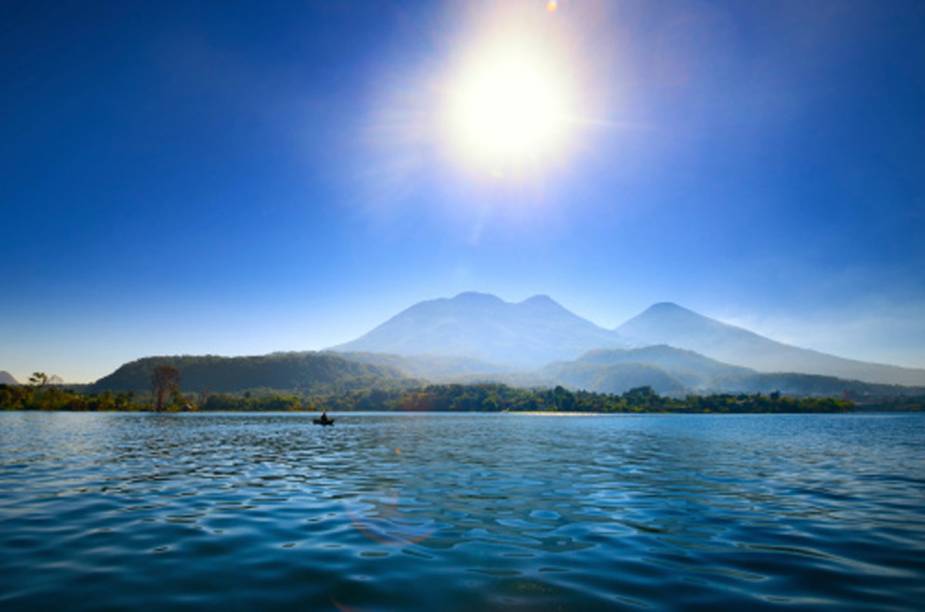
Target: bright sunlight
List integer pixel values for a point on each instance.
(509, 106)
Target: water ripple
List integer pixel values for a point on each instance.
(461, 511)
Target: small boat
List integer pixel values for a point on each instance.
(323, 422)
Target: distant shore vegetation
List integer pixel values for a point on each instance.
(437, 398)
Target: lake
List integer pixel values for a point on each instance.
(461, 511)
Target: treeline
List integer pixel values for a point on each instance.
(439, 398)
(495, 398)
(51, 397)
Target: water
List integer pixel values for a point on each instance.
(461, 511)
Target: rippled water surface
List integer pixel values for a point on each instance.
(453, 511)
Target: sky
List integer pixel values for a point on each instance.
(240, 178)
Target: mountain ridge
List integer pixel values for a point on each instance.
(539, 331)
(673, 371)
(669, 323)
(478, 337)
(481, 326)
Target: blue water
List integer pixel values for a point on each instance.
(461, 511)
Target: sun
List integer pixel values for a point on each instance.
(509, 106)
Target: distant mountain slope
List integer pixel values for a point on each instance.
(691, 369)
(671, 324)
(7, 379)
(610, 378)
(434, 368)
(790, 383)
(673, 371)
(485, 328)
(281, 371)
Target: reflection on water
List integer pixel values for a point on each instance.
(461, 511)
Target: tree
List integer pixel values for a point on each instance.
(165, 380)
(642, 397)
(564, 400)
(39, 379)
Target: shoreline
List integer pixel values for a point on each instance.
(537, 413)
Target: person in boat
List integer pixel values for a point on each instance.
(324, 417)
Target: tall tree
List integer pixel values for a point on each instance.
(165, 380)
(39, 379)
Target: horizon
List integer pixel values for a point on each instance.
(249, 179)
(24, 376)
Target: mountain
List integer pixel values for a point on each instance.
(280, 371)
(672, 371)
(476, 337)
(790, 383)
(434, 368)
(610, 378)
(668, 323)
(485, 328)
(693, 370)
(7, 379)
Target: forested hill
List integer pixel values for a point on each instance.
(308, 371)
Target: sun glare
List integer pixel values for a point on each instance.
(509, 107)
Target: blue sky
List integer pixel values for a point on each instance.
(248, 177)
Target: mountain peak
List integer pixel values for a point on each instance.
(669, 314)
(672, 324)
(484, 327)
(667, 308)
(540, 299)
(477, 297)
(537, 331)
(668, 323)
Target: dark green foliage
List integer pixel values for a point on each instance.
(495, 397)
(22, 397)
(301, 372)
(253, 402)
(458, 397)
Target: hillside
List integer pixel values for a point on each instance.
(7, 379)
(610, 378)
(815, 385)
(674, 371)
(692, 370)
(308, 371)
(671, 324)
(434, 368)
